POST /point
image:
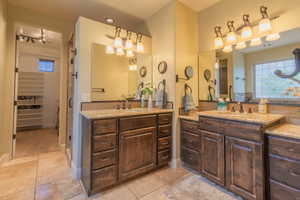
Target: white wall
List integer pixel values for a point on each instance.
(29, 55)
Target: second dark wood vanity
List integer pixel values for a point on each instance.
(120, 148)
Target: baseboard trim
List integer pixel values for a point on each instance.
(175, 163)
(76, 172)
(4, 158)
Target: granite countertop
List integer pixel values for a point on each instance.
(264, 119)
(285, 130)
(112, 113)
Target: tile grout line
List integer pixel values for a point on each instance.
(36, 177)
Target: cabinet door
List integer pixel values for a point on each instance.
(213, 156)
(244, 168)
(137, 152)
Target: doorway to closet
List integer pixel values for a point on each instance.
(37, 91)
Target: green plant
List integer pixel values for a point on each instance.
(147, 90)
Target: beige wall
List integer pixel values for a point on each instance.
(3, 45)
(17, 16)
(227, 10)
(268, 55)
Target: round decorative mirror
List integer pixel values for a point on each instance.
(189, 72)
(207, 75)
(162, 67)
(143, 71)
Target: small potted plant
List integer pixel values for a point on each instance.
(148, 91)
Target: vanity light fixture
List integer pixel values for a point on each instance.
(109, 49)
(132, 64)
(129, 53)
(241, 45)
(128, 43)
(109, 20)
(231, 36)
(247, 30)
(273, 36)
(219, 43)
(139, 43)
(255, 42)
(227, 49)
(265, 23)
(120, 51)
(118, 43)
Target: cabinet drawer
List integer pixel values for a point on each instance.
(191, 140)
(284, 147)
(210, 124)
(191, 158)
(244, 131)
(104, 178)
(165, 130)
(164, 143)
(165, 119)
(189, 126)
(285, 171)
(280, 191)
(104, 126)
(104, 142)
(137, 122)
(104, 159)
(164, 157)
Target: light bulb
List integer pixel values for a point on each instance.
(21, 39)
(129, 53)
(231, 38)
(227, 49)
(132, 67)
(140, 47)
(240, 45)
(246, 32)
(118, 43)
(217, 65)
(272, 37)
(255, 42)
(109, 49)
(219, 43)
(264, 25)
(120, 51)
(128, 44)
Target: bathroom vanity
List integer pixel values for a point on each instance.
(118, 145)
(239, 152)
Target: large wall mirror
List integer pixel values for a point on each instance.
(119, 77)
(250, 74)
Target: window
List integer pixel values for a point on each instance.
(268, 85)
(46, 65)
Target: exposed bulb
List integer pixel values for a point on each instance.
(231, 38)
(129, 53)
(21, 39)
(140, 47)
(109, 49)
(227, 49)
(272, 37)
(128, 44)
(255, 42)
(132, 67)
(120, 52)
(246, 32)
(240, 45)
(118, 43)
(264, 25)
(219, 43)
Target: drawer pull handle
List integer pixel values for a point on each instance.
(104, 159)
(293, 173)
(291, 150)
(165, 157)
(164, 143)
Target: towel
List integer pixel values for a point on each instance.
(138, 94)
(188, 102)
(161, 98)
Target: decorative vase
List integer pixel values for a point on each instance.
(150, 102)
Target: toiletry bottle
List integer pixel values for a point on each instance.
(262, 106)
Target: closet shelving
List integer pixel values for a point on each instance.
(30, 100)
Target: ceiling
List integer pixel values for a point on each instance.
(125, 12)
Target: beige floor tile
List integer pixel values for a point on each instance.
(22, 195)
(69, 188)
(160, 194)
(82, 196)
(20, 177)
(145, 185)
(117, 193)
(171, 175)
(48, 192)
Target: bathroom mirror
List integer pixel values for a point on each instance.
(118, 77)
(254, 72)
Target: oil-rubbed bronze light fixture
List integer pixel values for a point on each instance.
(118, 43)
(139, 43)
(265, 23)
(24, 37)
(231, 36)
(128, 43)
(247, 30)
(219, 43)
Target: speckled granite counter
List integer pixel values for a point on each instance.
(191, 117)
(110, 113)
(285, 130)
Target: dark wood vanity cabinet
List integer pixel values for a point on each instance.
(212, 146)
(284, 168)
(115, 150)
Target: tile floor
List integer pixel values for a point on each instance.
(46, 175)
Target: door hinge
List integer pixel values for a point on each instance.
(15, 103)
(14, 136)
(74, 51)
(75, 75)
(70, 137)
(16, 70)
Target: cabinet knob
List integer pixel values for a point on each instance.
(291, 150)
(293, 173)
